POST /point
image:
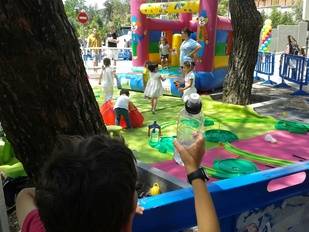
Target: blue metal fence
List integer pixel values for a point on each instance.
(265, 65)
(294, 69)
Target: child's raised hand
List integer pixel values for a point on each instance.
(192, 156)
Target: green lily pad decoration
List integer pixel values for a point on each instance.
(220, 136)
(293, 127)
(229, 168)
(208, 122)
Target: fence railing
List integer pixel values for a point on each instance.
(265, 65)
(294, 69)
(98, 53)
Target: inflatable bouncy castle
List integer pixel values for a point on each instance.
(213, 32)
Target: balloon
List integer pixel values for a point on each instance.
(268, 22)
(266, 36)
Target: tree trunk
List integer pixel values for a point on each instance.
(247, 24)
(43, 83)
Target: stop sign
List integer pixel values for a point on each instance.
(82, 17)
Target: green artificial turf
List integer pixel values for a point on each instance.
(241, 120)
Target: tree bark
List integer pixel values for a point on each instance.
(44, 90)
(247, 24)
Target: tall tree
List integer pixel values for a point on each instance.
(43, 83)
(247, 24)
(297, 10)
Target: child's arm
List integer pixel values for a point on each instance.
(25, 204)
(187, 86)
(101, 76)
(204, 208)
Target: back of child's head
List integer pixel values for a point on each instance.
(107, 62)
(87, 185)
(124, 91)
(152, 67)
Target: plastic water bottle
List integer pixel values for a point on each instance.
(154, 133)
(190, 120)
(154, 136)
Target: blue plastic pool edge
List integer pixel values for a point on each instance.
(174, 211)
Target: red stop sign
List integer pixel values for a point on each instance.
(82, 17)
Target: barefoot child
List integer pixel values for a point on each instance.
(154, 88)
(164, 50)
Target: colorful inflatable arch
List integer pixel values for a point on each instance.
(213, 32)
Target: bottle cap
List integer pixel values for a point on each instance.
(193, 105)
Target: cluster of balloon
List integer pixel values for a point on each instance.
(266, 36)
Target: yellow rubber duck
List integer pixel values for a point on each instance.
(155, 189)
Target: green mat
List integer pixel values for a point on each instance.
(242, 121)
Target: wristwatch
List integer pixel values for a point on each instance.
(198, 174)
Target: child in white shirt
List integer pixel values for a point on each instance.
(122, 107)
(164, 50)
(107, 75)
(189, 80)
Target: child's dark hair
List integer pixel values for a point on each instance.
(87, 185)
(187, 31)
(124, 91)
(152, 67)
(107, 62)
(189, 64)
(163, 38)
(146, 64)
